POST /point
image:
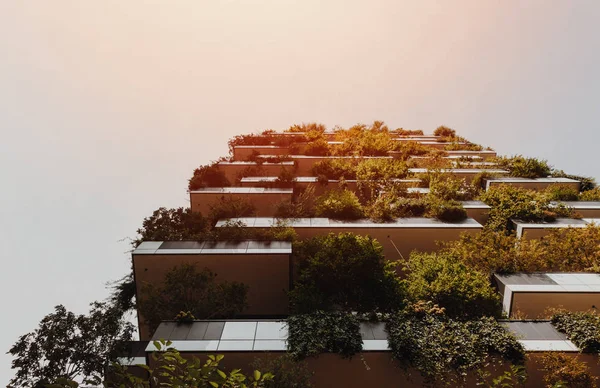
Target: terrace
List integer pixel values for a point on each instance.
(263, 199)
(532, 183)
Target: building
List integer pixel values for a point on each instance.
(271, 175)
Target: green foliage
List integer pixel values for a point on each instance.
(410, 148)
(582, 328)
(562, 370)
(239, 231)
(560, 192)
(175, 371)
(410, 207)
(447, 211)
(447, 189)
(321, 332)
(508, 202)
(382, 208)
(590, 195)
(516, 376)
(587, 183)
(361, 140)
(208, 176)
(442, 349)
(287, 372)
(562, 250)
(307, 127)
(520, 166)
(375, 175)
(67, 346)
(230, 208)
(339, 204)
(407, 132)
(444, 131)
(172, 225)
(185, 288)
(463, 292)
(302, 205)
(335, 169)
(343, 271)
(316, 144)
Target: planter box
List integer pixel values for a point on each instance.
(263, 266)
(461, 173)
(398, 238)
(531, 184)
(265, 200)
(237, 170)
(477, 210)
(242, 153)
(485, 154)
(587, 209)
(532, 294)
(541, 229)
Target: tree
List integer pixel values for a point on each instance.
(69, 346)
(172, 225)
(465, 293)
(185, 288)
(345, 272)
(444, 131)
(208, 176)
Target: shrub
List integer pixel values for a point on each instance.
(562, 370)
(582, 328)
(172, 225)
(361, 140)
(410, 207)
(381, 209)
(448, 211)
(307, 127)
(339, 204)
(231, 208)
(287, 373)
(558, 192)
(302, 205)
(447, 188)
(407, 132)
(587, 183)
(410, 148)
(320, 332)
(520, 166)
(344, 271)
(508, 202)
(373, 175)
(335, 169)
(208, 176)
(444, 350)
(590, 195)
(457, 146)
(185, 288)
(463, 292)
(444, 132)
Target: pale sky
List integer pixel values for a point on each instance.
(106, 107)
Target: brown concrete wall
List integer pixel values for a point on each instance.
(375, 369)
(235, 171)
(480, 215)
(588, 213)
(405, 239)
(533, 305)
(484, 155)
(242, 154)
(264, 203)
(266, 275)
(535, 185)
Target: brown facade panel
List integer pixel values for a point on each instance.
(533, 305)
(265, 203)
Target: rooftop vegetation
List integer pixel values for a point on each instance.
(582, 328)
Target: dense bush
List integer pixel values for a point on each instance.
(590, 195)
(444, 350)
(302, 205)
(208, 176)
(361, 140)
(287, 372)
(447, 188)
(582, 328)
(447, 211)
(463, 292)
(444, 131)
(508, 202)
(410, 207)
(231, 208)
(186, 288)
(520, 166)
(587, 183)
(172, 225)
(560, 192)
(410, 148)
(563, 370)
(408, 132)
(307, 127)
(566, 250)
(382, 209)
(344, 271)
(339, 204)
(321, 332)
(375, 175)
(335, 169)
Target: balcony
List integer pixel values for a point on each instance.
(541, 229)
(531, 183)
(263, 266)
(264, 200)
(461, 173)
(531, 295)
(236, 170)
(398, 238)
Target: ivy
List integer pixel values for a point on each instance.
(582, 328)
(323, 332)
(444, 350)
